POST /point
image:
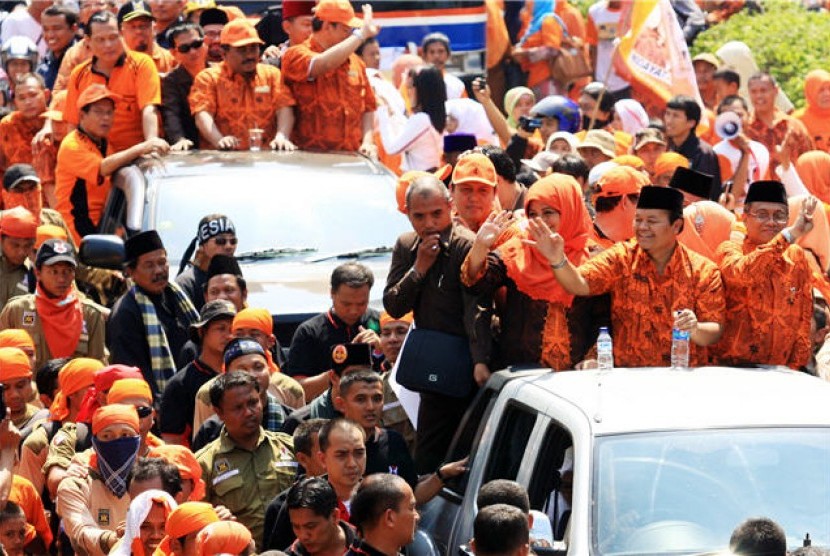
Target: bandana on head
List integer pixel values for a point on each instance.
(74, 376)
(223, 537)
(115, 460)
(140, 508)
(214, 227)
(17, 338)
(14, 364)
(187, 464)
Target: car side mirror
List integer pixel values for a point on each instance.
(102, 251)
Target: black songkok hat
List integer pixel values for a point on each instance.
(459, 142)
(223, 264)
(692, 181)
(346, 355)
(766, 191)
(142, 243)
(665, 198)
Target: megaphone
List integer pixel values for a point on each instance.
(728, 125)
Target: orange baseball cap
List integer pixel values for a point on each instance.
(49, 231)
(337, 11)
(622, 180)
(94, 93)
(239, 32)
(474, 168)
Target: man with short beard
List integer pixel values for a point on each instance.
(136, 25)
(150, 323)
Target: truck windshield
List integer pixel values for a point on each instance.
(684, 492)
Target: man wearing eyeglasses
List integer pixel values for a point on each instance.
(190, 51)
(241, 98)
(768, 283)
(215, 235)
(135, 21)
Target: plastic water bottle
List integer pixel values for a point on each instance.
(679, 349)
(605, 349)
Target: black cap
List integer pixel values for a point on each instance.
(766, 191)
(347, 355)
(692, 182)
(664, 198)
(216, 309)
(213, 16)
(133, 10)
(222, 264)
(17, 174)
(459, 142)
(142, 243)
(238, 347)
(55, 251)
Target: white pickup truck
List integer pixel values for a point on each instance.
(664, 461)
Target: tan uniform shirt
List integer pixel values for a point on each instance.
(91, 513)
(22, 313)
(11, 281)
(246, 482)
(33, 455)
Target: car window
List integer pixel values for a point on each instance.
(512, 437)
(469, 435)
(552, 479)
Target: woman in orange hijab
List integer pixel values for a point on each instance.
(813, 168)
(816, 115)
(540, 322)
(706, 225)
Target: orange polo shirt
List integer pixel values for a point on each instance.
(80, 189)
(164, 61)
(238, 104)
(643, 302)
(135, 79)
(769, 300)
(330, 108)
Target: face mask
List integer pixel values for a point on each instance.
(115, 459)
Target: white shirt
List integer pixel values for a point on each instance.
(420, 143)
(455, 87)
(606, 21)
(21, 22)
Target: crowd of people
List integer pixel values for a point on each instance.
(145, 415)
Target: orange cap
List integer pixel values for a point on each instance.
(621, 180)
(127, 388)
(631, 160)
(404, 182)
(115, 414)
(74, 376)
(49, 231)
(14, 364)
(16, 338)
(94, 93)
(19, 223)
(474, 168)
(223, 537)
(239, 32)
(233, 12)
(386, 318)
(258, 319)
(668, 162)
(337, 11)
(186, 462)
(190, 517)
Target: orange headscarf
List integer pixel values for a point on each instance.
(115, 414)
(74, 376)
(18, 222)
(258, 319)
(127, 388)
(817, 240)
(707, 225)
(223, 537)
(102, 382)
(16, 337)
(813, 81)
(189, 468)
(14, 364)
(189, 517)
(49, 231)
(525, 265)
(668, 162)
(813, 168)
(386, 318)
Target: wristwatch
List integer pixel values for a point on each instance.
(787, 235)
(560, 264)
(439, 475)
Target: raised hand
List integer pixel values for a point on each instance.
(550, 244)
(492, 228)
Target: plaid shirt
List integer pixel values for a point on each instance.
(274, 415)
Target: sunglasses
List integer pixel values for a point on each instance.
(185, 48)
(221, 241)
(144, 411)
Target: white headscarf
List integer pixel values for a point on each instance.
(471, 119)
(632, 115)
(140, 507)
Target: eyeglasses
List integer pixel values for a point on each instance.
(763, 216)
(144, 411)
(221, 241)
(195, 45)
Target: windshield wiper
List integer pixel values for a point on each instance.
(273, 253)
(355, 254)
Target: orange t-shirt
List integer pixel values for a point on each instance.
(330, 108)
(135, 79)
(23, 494)
(80, 189)
(769, 300)
(238, 104)
(549, 35)
(164, 61)
(643, 302)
